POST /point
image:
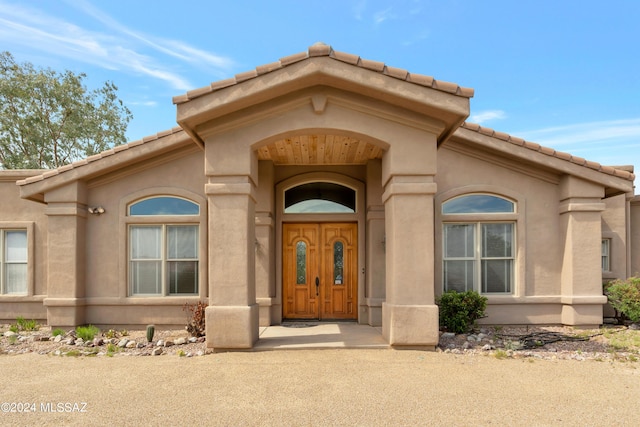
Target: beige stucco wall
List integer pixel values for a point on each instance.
(18, 213)
(546, 271)
(106, 293)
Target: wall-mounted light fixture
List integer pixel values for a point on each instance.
(97, 210)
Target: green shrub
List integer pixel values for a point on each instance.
(57, 332)
(460, 310)
(151, 330)
(624, 296)
(87, 333)
(26, 325)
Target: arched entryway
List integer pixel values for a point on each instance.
(320, 240)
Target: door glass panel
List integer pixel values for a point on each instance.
(301, 263)
(338, 263)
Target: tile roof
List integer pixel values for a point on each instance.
(320, 49)
(99, 156)
(609, 170)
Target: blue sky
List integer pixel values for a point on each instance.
(565, 74)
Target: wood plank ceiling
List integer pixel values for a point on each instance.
(319, 150)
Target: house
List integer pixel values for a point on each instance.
(320, 186)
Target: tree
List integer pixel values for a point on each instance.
(49, 119)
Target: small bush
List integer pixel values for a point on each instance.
(57, 332)
(195, 318)
(26, 325)
(87, 333)
(460, 310)
(624, 296)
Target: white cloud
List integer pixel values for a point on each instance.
(488, 115)
(119, 49)
(586, 133)
(382, 15)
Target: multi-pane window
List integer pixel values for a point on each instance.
(606, 254)
(163, 257)
(13, 262)
(478, 255)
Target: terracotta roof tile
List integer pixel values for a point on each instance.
(372, 65)
(346, 57)
(609, 170)
(398, 73)
(96, 157)
(319, 50)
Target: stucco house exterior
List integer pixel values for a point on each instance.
(320, 186)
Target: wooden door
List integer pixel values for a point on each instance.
(320, 271)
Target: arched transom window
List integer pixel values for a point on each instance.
(320, 197)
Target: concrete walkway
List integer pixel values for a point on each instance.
(319, 335)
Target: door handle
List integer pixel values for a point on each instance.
(317, 286)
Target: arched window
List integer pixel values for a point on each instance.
(320, 197)
(163, 253)
(478, 253)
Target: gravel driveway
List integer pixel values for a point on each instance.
(318, 387)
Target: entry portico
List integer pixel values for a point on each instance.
(323, 114)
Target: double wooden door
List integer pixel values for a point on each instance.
(320, 277)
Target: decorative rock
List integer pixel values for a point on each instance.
(123, 342)
(447, 335)
(481, 336)
(486, 347)
(70, 341)
(156, 351)
(79, 342)
(22, 339)
(160, 343)
(634, 326)
(202, 339)
(130, 344)
(168, 343)
(9, 334)
(193, 339)
(472, 338)
(141, 345)
(180, 341)
(199, 353)
(467, 345)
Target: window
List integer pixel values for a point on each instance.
(478, 255)
(320, 197)
(606, 254)
(163, 257)
(13, 262)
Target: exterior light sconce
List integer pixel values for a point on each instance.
(98, 210)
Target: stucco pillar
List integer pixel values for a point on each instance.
(270, 312)
(376, 242)
(67, 215)
(232, 314)
(580, 211)
(409, 313)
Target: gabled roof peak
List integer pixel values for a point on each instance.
(320, 49)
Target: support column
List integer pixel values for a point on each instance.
(375, 246)
(232, 314)
(581, 226)
(409, 315)
(67, 216)
(270, 312)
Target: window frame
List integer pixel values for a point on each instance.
(605, 256)
(517, 218)
(478, 257)
(164, 221)
(28, 228)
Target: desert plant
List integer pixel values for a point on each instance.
(151, 330)
(460, 310)
(14, 328)
(57, 332)
(26, 325)
(624, 296)
(87, 333)
(195, 318)
(111, 333)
